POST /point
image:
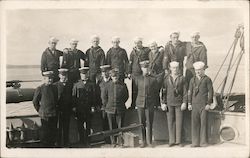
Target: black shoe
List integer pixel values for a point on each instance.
(204, 145)
(194, 146)
(143, 145)
(180, 144)
(171, 145)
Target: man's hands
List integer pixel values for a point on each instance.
(129, 76)
(183, 106)
(164, 107)
(207, 107)
(190, 107)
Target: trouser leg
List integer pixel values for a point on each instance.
(49, 127)
(195, 126)
(80, 123)
(171, 124)
(134, 93)
(203, 132)
(111, 125)
(189, 74)
(142, 120)
(119, 122)
(178, 120)
(149, 124)
(87, 120)
(105, 125)
(66, 121)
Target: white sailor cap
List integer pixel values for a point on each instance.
(174, 64)
(175, 32)
(95, 37)
(48, 73)
(105, 68)
(73, 40)
(144, 63)
(53, 39)
(115, 38)
(84, 70)
(199, 65)
(138, 39)
(63, 71)
(194, 34)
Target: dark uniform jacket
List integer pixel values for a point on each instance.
(115, 96)
(174, 92)
(156, 62)
(117, 58)
(196, 53)
(95, 58)
(200, 91)
(83, 96)
(64, 96)
(136, 56)
(45, 101)
(50, 61)
(148, 92)
(71, 60)
(103, 84)
(174, 54)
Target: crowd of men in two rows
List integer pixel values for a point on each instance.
(68, 87)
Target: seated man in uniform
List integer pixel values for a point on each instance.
(200, 97)
(45, 101)
(174, 94)
(115, 96)
(83, 101)
(64, 88)
(146, 99)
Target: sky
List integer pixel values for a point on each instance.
(28, 30)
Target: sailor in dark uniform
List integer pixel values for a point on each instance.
(200, 97)
(64, 88)
(50, 58)
(138, 54)
(103, 84)
(117, 58)
(95, 58)
(45, 102)
(83, 99)
(175, 50)
(72, 61)
(174, 92)
(115, 96)
(146, 99)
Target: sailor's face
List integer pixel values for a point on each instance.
(195, 39)
(52, 45)
(174, 70)
(105, 74)
(47, 80)
(115, 78)
(84, 77)
(153, 48)
(199, 72)
(138, 44)
(66, 51)
(144, 71)
(73, 45)
(115, 43)
(174, 38)
(63, 78)
(95, 42)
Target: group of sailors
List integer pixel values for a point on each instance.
(157, 81)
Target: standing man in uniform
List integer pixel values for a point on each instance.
(174, 92)
(103, 84)
(83, 102)
(138, 54)
(146, 99)
(72, 61)
(115, 96)
(45, 102)
(64, 88)
(196, 51)
(175, 50)
(95, 58)
(200, 97)
(50, 59)
(117, 58)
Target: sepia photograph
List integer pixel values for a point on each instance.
(124, 79)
